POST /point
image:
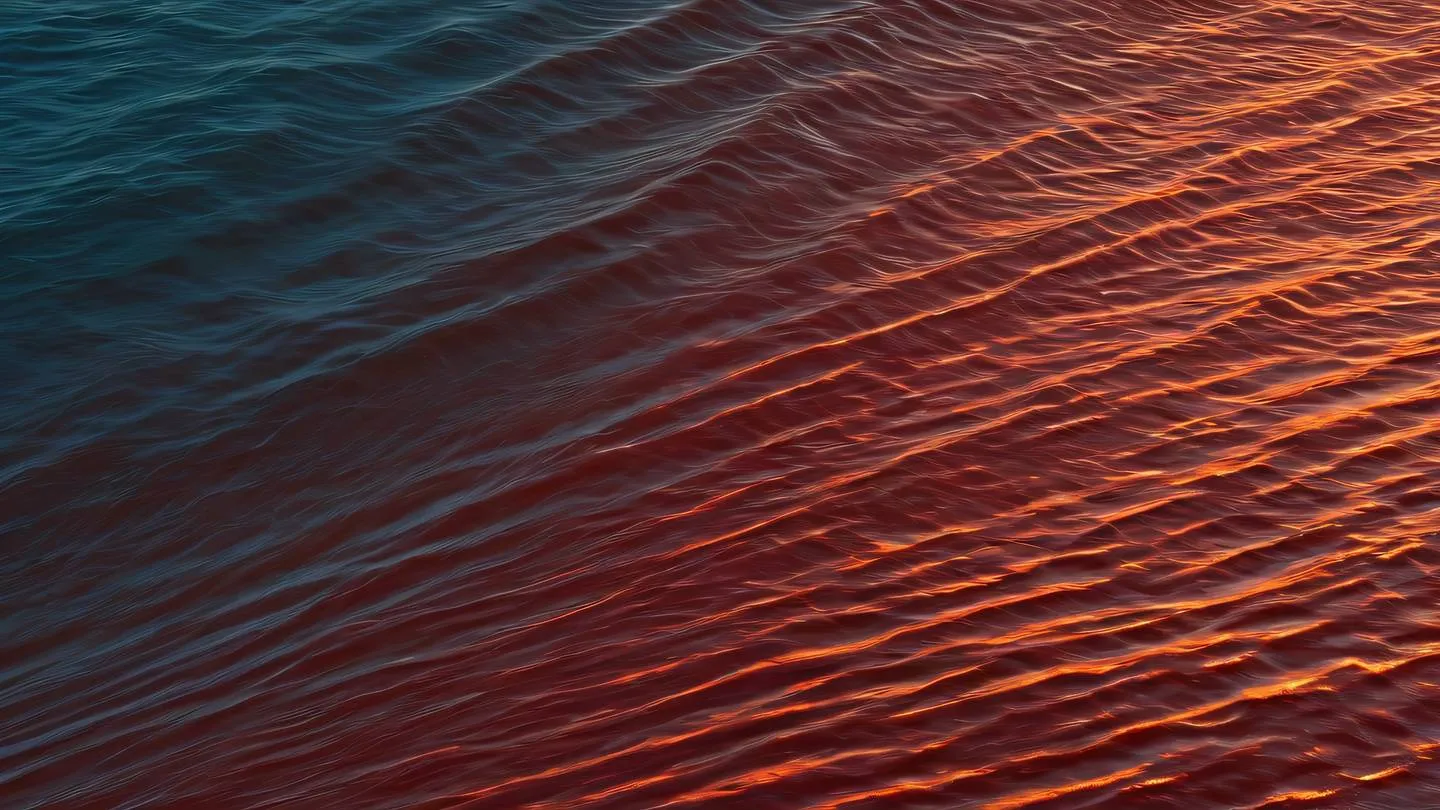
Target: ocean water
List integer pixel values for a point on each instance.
(719, 404)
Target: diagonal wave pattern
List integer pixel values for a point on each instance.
(721, 403)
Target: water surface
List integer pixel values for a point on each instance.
(719, 404)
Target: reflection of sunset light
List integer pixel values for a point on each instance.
(787, 403)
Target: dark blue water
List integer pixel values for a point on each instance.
(194, 190)
(719, 403)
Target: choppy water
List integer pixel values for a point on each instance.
(725, 404)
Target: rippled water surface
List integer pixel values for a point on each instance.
(719, 404)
